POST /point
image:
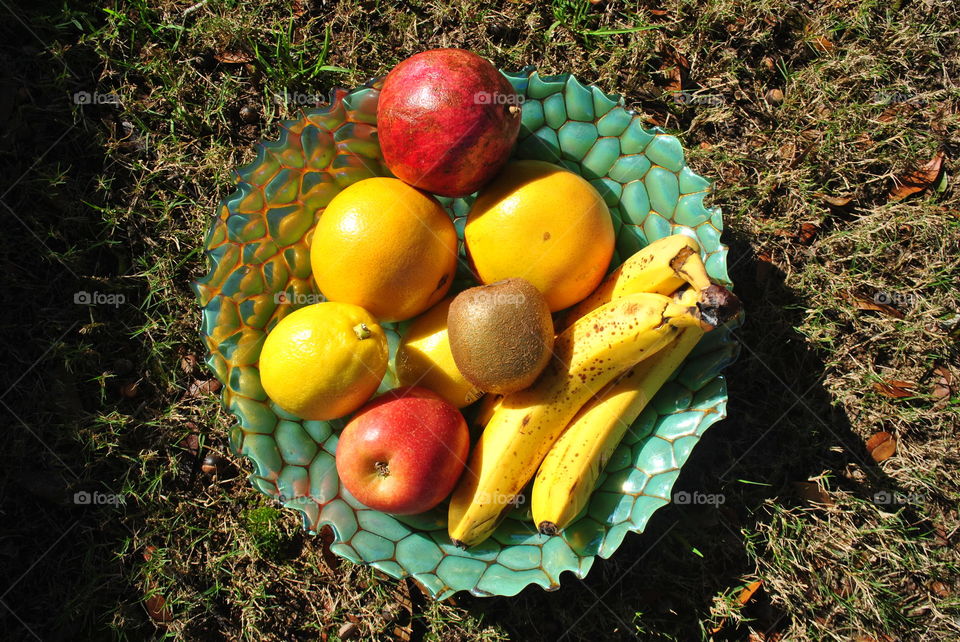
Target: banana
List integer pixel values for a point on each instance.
(488, 403)
(662, 267)
(587, 356)
(569, 472)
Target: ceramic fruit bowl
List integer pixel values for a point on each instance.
(259, 271)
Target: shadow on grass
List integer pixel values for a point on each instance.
(783, 427)
(77, 395)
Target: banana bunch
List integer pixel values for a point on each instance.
(663, 267)
(616, 349)
(569, 473)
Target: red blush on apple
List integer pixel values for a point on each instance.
(403, 452)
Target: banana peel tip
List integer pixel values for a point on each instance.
(548, 528)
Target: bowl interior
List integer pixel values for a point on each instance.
(259, 270)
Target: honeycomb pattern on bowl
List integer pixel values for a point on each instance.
(259, 270)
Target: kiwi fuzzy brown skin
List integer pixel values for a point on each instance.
(501, 335)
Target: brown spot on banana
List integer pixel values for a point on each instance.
(676, 263)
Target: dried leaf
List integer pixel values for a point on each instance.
(188, 362)
(155, 604)
(807, 234)
(677, 67)
(917, 180)
(764, 268)
(812, 493)
(191, 444)
(655, 117)
(823, 44)
(157, 609)
(233, 56)
(940, 536)
(882, 446)
(200, 388)
(774, 96)
(787, 151)
(658, 12)
(945, 381)
(895, 389)
(943, 386)
(399, 616)
(745, 595)
(748, 591)
(939, 121)
(800, 158)
(329, 558)
(866, 304)
(298, 8)
(939, 589)
(834, 201)
(890, 113)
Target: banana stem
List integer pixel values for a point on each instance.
(717, 305)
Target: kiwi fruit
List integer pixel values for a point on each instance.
(501, 335)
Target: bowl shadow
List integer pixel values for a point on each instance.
(783, 427)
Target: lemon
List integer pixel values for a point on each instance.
(323, 361)
(424, 358)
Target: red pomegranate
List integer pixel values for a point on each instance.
(447, 121)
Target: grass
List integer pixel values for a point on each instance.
(113, 197)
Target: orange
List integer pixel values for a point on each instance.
(323, 361)
(385, 246)
(543, 223)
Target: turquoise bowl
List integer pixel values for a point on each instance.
(259, 270)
